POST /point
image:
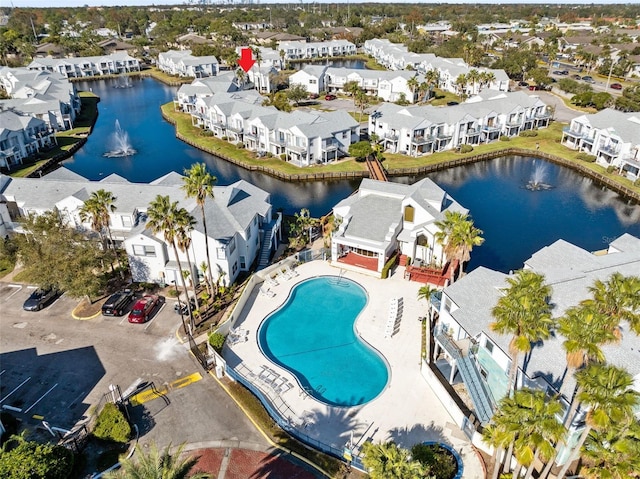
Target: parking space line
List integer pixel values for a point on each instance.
(7, 396)
(11, 408)
(18, 289)
(2, 372)
(123, 319)
(41, 398)
(154, 317)
(75, 399)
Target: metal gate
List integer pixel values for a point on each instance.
(199, 355)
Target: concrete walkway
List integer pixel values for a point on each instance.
(407, 411)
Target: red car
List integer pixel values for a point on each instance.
(616, 86)
(144, 308)
(330, 97)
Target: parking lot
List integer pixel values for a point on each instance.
(53, 368)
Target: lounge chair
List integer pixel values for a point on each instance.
(291, 272)
(266, 291)
(271, 282)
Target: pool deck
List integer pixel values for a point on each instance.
(407, 411)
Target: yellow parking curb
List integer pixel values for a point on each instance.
(83, 318)
(264, 434)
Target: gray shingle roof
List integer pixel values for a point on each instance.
(570, 271)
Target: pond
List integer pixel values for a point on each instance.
(516, 221)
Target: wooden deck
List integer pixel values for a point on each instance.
(366, 262)
(376, 172)
(436, 277)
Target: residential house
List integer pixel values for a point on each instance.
(395, 56)
(303, 138)
(47, 96)
(240, 221)
(21, 136)
(418, 130)
(183, 64)
(469, 352)
(383, 219)
(612, 136)
(296, 50)
(312, 77)
(78, 67)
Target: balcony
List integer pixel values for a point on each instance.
(236, 130)
(390, 137)
(472, 132)
(422, 140)
(296, 148)
(492, 128)
(609, 150)
(278, 141)
(577, 134)
(330, 146)
(251, 135)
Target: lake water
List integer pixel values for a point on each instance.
(516, 222)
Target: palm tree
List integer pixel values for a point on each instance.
(163, 217)
(523, 312)
(186, 223)
(257, 54)
(97, 209)
(619, 299)
(461, 83)
(413, 84)
(362, 101)
(388, 461)
(585, 329)
(198, 184)
(352, 87)
(488, 78)
(613, 453)
(432, 78)
(282, 55)
(458, 236)
(425, 293)
(157, 465)
(527, 424)
(500, 435)
(473, 77)
(607, 393)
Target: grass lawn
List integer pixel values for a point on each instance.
(442, 97)
(166, 78)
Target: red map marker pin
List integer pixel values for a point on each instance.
(246, 59)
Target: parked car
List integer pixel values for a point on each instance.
(576, 77)
(313, 96)
(452, 103)
(557, 72)
(588, 79)
(144, 308)
(117, 303)
(616, 86)
(39, 299)
(523, 83)
(330, 97)
(564, 72)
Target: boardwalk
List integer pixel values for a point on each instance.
(376, 172)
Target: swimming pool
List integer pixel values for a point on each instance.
(313, 335)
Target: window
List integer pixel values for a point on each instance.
(248, 233)
(344, 134)
(144, 250)
(312, 81)
(447, 304)
(232, 245)
(126, 221)
(220, 253)
(488, 345)
(409, 212)
(234, 268)
(243, 263)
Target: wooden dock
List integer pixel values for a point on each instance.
(376, 172)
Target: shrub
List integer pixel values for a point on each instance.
(216, 340)
(31, 460)
(611, 169)
(637, 182)
(528, 133)
(440, 463)
(466, 149)
(504, 138)
(112, 425)
(206, 133)
(283, 157)
(224, 138)
(240, 146)
(584, 156)
(388, 266)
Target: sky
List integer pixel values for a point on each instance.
(111, 3)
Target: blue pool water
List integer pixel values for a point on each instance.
(313, 336)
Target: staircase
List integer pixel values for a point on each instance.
(265, 249)
(478, 392)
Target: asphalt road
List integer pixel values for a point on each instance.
(53, 368)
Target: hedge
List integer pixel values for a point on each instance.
(112, 425)
(388, 266)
